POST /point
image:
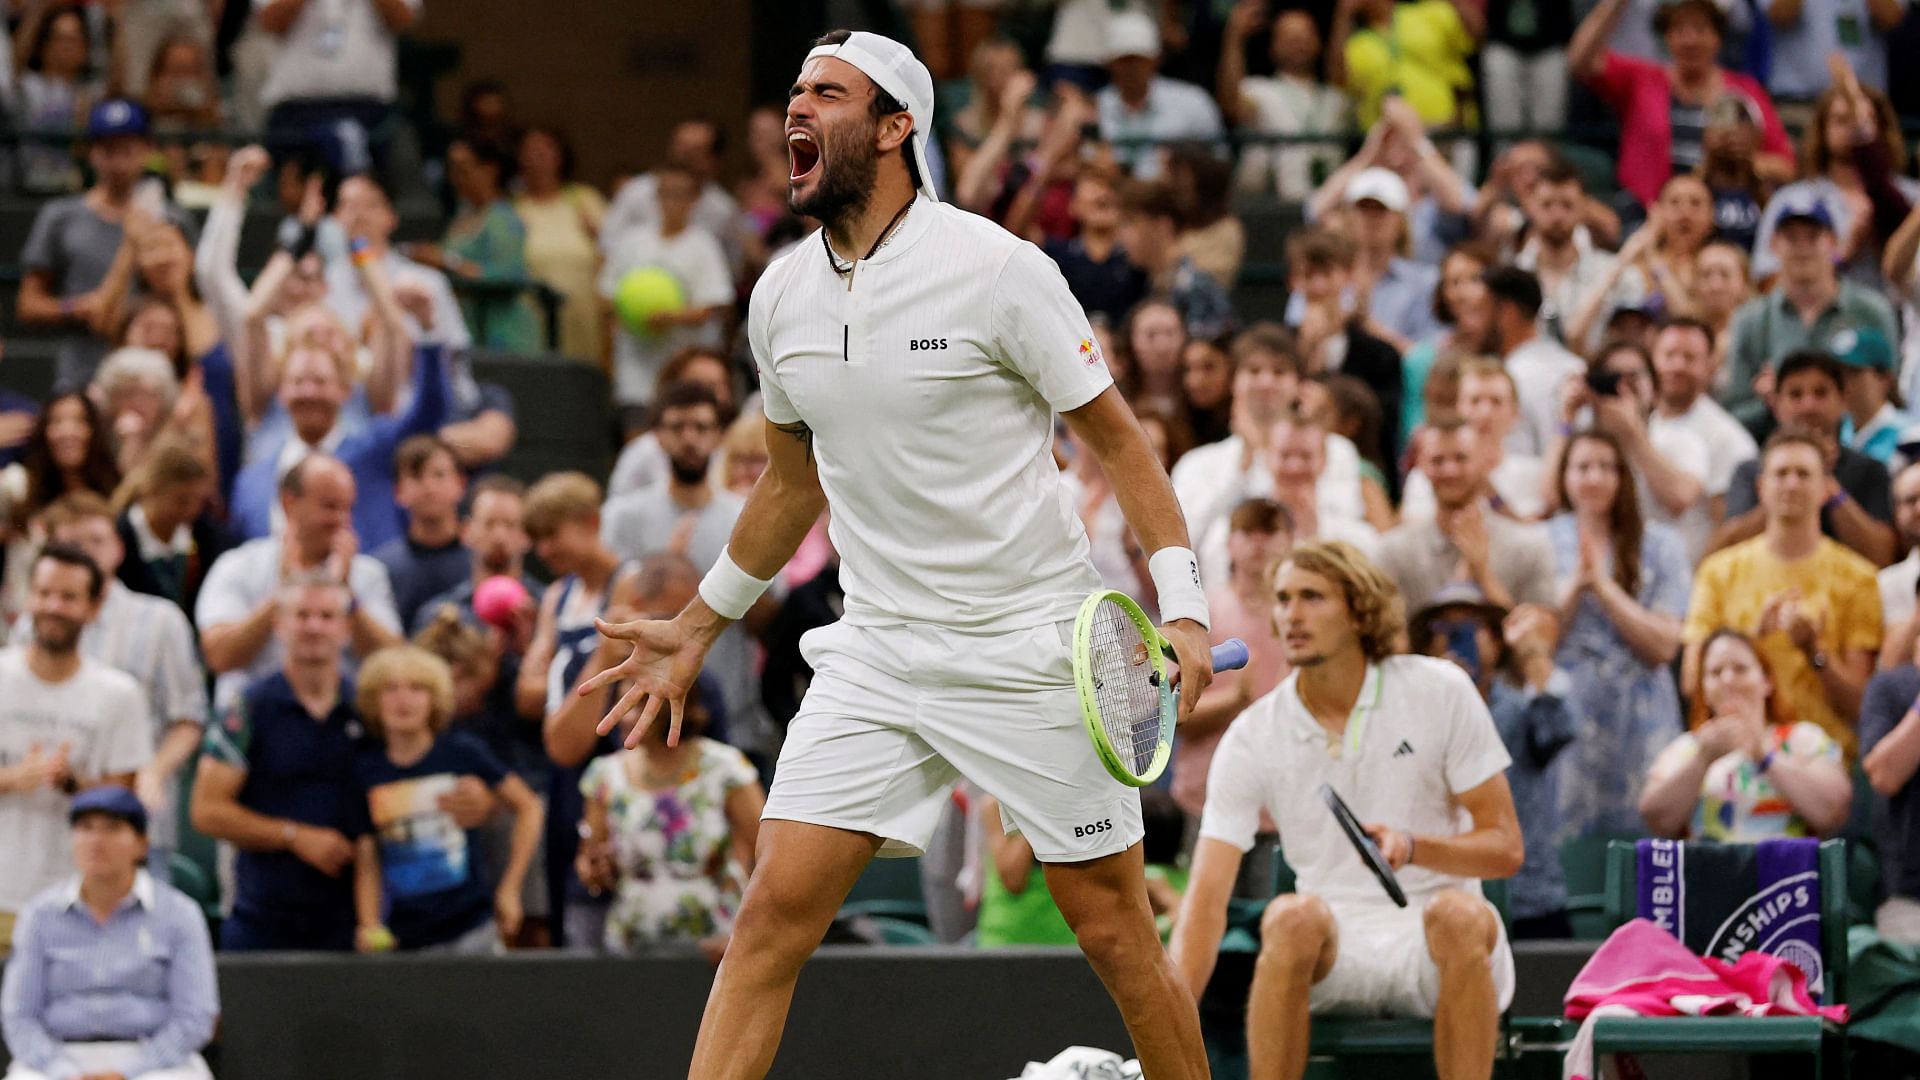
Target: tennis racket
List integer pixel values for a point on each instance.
(1363, 844)
(1126, 693)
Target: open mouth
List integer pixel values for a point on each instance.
(805, 153)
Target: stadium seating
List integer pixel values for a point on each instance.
(563, 412)
(1821, 1041)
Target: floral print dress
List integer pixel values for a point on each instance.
(671, 846)
(1629, 711)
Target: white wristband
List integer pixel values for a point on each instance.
(1176, 575)
(729, 590)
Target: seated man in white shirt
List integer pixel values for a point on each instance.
(674, 243)
(1297, 458)
(696, 146)
(1489, 402)
(1683, 367)
(1537, 363)
(1213, 479)
(1409, 744)
(1291, 101)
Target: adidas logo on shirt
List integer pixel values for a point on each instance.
(1403, 749)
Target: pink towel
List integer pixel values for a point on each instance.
(1644, 971)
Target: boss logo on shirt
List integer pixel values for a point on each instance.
(924, 344)
(1093, 829)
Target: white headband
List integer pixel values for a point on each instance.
(884, 77)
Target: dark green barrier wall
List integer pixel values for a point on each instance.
(859, 1014)
(872, 1014)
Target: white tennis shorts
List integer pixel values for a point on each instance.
(896, 714)
(1382, 966)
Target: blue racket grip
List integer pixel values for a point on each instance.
(1230, 654)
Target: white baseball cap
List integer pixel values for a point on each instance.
(894, 69)
(1131, 33)
(1383, 186)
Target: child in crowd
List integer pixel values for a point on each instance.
(418, 880)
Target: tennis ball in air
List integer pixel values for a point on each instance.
(646, 292)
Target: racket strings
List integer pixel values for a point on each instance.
(1125, 688)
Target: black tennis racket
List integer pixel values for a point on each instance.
(1362, 843)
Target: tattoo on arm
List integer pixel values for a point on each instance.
(799, 430)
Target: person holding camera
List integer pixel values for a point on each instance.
(1617, 396)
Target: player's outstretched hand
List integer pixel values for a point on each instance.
(665, 661)
(1190, 651)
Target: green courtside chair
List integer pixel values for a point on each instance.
(1344, 1039)
(1821, 1042)
(1352, 1046)
(1583, 860)
(888, 888)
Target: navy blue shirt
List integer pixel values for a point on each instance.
(299, 767)
(1110, 287)
(1896, 820)
(431, 871)
(420, 573)
(1736, 216)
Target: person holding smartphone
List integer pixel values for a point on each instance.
(1509, 656)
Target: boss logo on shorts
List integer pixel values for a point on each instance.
(1093, 828)
(926, 344)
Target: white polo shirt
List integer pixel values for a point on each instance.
(930, 380)
(1722, 444)
(334, 49)
(1418, 737)
(1209, 483)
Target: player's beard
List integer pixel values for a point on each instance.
(849, 168)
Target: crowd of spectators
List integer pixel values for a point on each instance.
(1633, 447)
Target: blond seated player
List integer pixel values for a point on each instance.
(1409, 744)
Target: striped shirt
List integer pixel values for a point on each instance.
(144, 975)
(151, 640)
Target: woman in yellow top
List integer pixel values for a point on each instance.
(1418, 49)
(563, 224)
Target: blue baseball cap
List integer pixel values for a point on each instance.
(1862, 347)
(111, 799)
(1805, 206)
(116, 117)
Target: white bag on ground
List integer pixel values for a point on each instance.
(1082, 1063)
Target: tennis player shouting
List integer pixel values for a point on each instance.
(1407, 741)
(911, 359)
